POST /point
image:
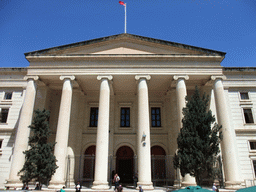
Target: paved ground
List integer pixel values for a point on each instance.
(125, 189)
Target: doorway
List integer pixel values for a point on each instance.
(125, 164)
(158, 165)
(89, 165)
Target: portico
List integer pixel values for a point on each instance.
(120, 91)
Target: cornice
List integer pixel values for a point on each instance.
(124, 56)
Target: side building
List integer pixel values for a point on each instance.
(116, 106)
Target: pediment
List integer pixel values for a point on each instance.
(125, 44)
(124, 47)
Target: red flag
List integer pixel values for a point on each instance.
(121, 3)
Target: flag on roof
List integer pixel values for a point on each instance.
(121, 3)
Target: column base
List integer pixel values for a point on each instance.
(188, 180)
(235, 185)
(14, 184)
(177, 184)
(71, 184)
(99, 185)
(145, 185)
(56, 184)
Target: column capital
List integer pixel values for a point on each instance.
(222, 77)
(109, 77)
(71, 77)
(147, 77)
(176, 77)
(34, 77)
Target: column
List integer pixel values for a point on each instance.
(143, 134)
(102, 143)
(60, 150)
(41, 101)
(21, 141)
(181, 93)
(228, 144)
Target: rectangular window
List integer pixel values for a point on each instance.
(248, 116)
(254, 166)
(155, 117)
(94, 116)
(1, 144)
(253, 145)
(125, 117)
(4, 115)
(244, 95)
(8, 96)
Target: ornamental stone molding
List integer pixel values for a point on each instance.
(176, 77)
(34, 77)
(213, 78)
(223, 77)
(109, 77)
(147, 77)
(71, 77)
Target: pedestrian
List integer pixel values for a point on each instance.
(78, 187)
(214, 187)
(120, 188)
(63, 189)
(25, 187)
(37, 186)
(135, 180)
(116, 181)
(140, 189)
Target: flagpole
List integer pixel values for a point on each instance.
(125, 17)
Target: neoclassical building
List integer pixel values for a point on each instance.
(116, 106)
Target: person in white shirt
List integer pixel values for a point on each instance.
(214, 188)
(116, 181)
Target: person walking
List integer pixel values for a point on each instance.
(215, 188)
(120, 188)
(78, 187)
(135, 180)
(63, 189)
(140, 189)
(116, 181)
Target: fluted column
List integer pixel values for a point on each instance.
(102, 143)
(228, 144)
(143, 134)
(60, 150)
(181, 93)
(23, 131)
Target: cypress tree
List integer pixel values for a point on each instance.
(199, 138)
(40, 162)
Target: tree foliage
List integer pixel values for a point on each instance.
(199, 138)
(40, 163)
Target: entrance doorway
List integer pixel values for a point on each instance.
(125, 164)
(158, 163)
(89, 164)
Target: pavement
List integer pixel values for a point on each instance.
(125, 189)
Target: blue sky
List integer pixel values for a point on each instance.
(222, 25)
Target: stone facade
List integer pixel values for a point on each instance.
(116, 104)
